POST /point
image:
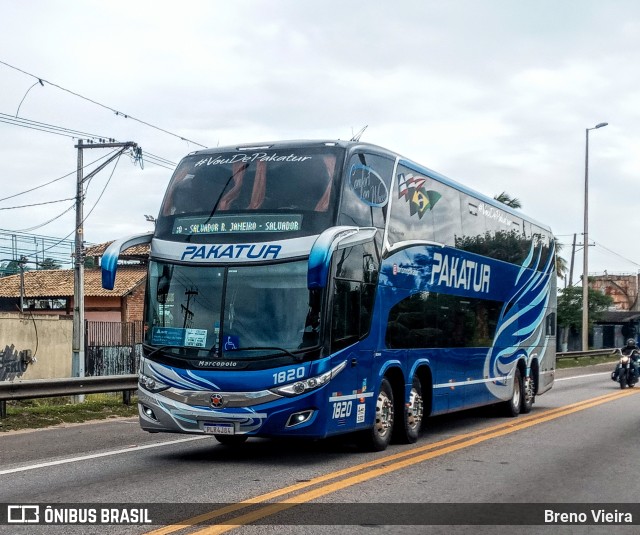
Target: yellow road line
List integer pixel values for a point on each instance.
(398, 461)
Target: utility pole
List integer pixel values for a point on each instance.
(564, 342)
(585, 259)
(21, 263)
(573, 256)
(77, 361)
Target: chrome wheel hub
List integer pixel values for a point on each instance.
(415, 411)
(384, 414)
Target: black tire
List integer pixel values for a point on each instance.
(413, 415)
(378, 437)
(623, 378)
(231, 440)
(528, 395)
(512, 407)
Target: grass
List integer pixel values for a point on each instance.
(586, 361)
(45, 412)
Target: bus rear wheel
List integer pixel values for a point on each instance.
(528, 395)
(378, 437)
(512, 407)
(413, 414)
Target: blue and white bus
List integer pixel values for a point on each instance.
(309, 289)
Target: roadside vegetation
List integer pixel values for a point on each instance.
(587, 361)
(46, 412)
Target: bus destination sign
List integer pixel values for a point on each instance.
(237, 224)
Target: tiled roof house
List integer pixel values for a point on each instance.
(51, 291)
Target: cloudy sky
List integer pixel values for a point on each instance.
(496, 94)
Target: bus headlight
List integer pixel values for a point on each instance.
(306, 385)
(151, 384)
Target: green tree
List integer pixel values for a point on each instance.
(505, 198)
(561, 263)
(570, 307)
(11, 268)
(49, 263)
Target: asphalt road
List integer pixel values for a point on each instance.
(578, 446)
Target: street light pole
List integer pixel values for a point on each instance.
(585, 264)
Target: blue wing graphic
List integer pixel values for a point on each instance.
(521, 322)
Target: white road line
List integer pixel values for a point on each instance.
(581, 376)
(98, 455)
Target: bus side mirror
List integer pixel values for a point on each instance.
(329, 241)
(109, 263)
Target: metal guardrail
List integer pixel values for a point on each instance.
(580, 354)
(73, 386)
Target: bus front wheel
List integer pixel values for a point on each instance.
(377, 438)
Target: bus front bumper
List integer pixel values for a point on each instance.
(285, 417)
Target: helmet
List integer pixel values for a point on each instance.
(631, 342)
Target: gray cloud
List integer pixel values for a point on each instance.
(495, 94)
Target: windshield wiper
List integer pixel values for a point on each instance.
(154, 349)
(298, 358)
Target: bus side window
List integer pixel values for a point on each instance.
(356, 275)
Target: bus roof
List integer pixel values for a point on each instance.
(350, 145)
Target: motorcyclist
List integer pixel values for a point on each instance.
(632, 350)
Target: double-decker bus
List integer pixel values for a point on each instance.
(309, 289)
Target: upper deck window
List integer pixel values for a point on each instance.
(365, 192)
(255, 191)
(423, 209)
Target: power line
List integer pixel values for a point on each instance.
(616, 254)
(77, 134)
(159, 161)
(15, 245)
(66, 211)
(25, 95)
(35, 204)
(46, 127)
(160, 158)
(92, 208)
(71, 207)
(55, 179)
(103, 190)
(49, 131)
(45, 223)
(118, 113)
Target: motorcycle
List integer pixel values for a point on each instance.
(625, 372)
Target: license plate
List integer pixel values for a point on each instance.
(219, 429)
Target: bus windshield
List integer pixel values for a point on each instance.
(224, 194)
(243, 312)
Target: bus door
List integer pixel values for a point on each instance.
(354, 278)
